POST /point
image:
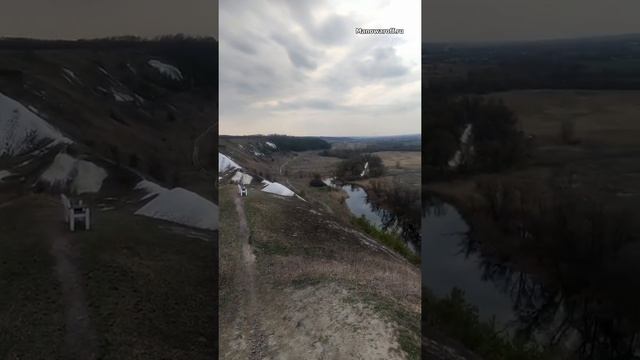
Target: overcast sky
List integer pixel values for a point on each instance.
(73, 19)
(297, 67)
(500, 20)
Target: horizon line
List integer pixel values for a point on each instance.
(534, 40)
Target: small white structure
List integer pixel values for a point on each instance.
(73, 211)
(242, 190)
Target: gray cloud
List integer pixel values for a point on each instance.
(383, 63)
(299, 55)
(306, 72)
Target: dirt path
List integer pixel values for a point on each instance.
(251, 324)
(80, 339)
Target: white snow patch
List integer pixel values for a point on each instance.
(166, 69)
(272, 145)
(242, 178)
(105, 72)
(150, 187)
(277, 188)
(70, 76)
(25, 163)
(329, 182)
(4, 174)
(21, 128)
(81, 176)
(366, 168)
(464, 138)
(183, 207)
(225, 163)
(139, 98)
(89, 178)
(456, 160)
(120, 96)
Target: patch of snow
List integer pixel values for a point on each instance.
(4, 174)
(456, 159)
(242, 178)
(25, 163)
(183, 207)
(366, 168)
(81, 176)
(257, 153)
(121, 97)
(272, 145)
(139, 98)
(166, 69)
(89, 178)
(225, 163)
(105, 72)
(278, 189)
(21, 129)
(70, 76)
(466, 134)
(150, 187)
(329, 181)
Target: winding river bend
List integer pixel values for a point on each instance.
(360, 206)
(447, 263)
(519, 305)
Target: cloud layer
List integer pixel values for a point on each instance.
(297, 67)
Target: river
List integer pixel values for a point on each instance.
(359, 205)
(450, 258)
(447, 263)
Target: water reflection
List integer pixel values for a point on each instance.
(556, 312)
(403, 224)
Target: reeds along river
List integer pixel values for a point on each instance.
(564, 315)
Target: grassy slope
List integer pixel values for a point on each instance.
(30, 292)
(298, 248)
(152, 292)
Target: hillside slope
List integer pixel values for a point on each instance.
(128, 128)
(297, 280)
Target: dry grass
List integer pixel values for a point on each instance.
(600, 117)
(603, 164)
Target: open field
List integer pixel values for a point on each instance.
(604, 161)
(403, 167)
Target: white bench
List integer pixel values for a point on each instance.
(75, 211)
(242, 190)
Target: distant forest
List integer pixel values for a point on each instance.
(601, 63)
(290, 143)
(196, 57)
